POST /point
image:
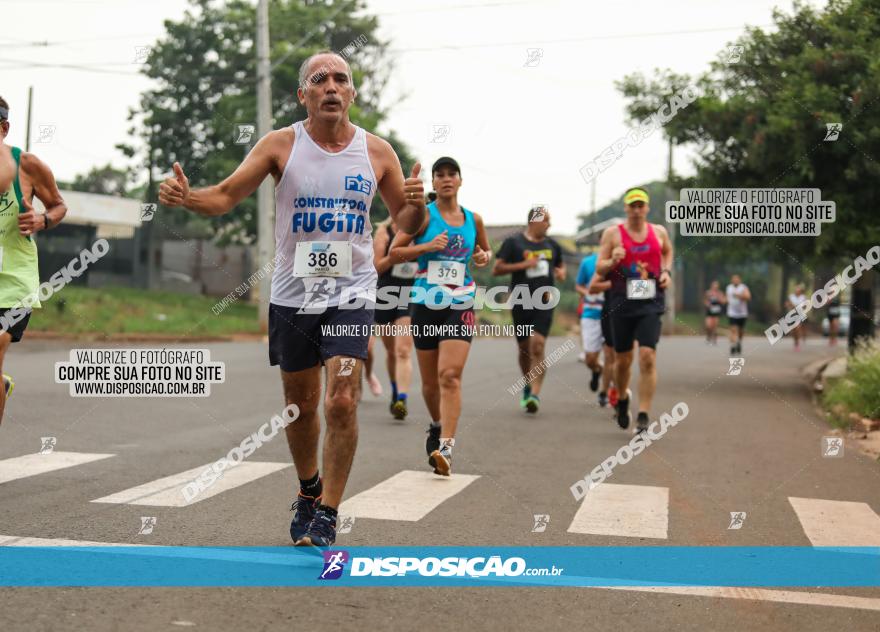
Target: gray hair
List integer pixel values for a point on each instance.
(304, 68)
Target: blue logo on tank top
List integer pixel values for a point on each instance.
(359, 184)
(640, 248)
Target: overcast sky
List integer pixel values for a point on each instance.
(520, 129)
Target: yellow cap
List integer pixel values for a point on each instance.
(635, 195)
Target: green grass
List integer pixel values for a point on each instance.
(859, 390)
(84, 311)
(693, 323)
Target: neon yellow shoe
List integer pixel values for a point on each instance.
(8, 384)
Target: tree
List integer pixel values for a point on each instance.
(107, 180)
(205, 74)
(761, 121)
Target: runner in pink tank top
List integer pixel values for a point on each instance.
(636, 257)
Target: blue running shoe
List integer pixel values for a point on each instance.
(321, 530)
(303, 509)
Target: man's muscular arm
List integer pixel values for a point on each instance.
(262, 161)
(45, 190)
(610, 251)
(665, 255)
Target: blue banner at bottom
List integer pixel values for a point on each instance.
(439, 566)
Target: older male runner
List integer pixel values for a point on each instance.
(326, 172)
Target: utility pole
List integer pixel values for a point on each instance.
(592, 196)
(265, 199)
(27, 137)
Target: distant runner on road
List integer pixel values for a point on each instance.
(533, 260)
(608, 394)
(394, 324)
(591, 323)
(799, 333)
(714, 301)
(738, 297)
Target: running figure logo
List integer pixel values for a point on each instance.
(141, 53)
(48, 445)
(244, 133)
(736, 366)
(441, 133)
(833, 131)
(734, 54)
(541, 522)
(345, 524)
(147, 212)
(832, 447)
(334, 564)
(318, 291)
(346, 366)
(533, 57)
(148, 523)
(737, 518)
(640, 289)
(47, 132)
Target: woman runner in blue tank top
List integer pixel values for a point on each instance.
(442, 303)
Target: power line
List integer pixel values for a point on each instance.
(82, 68)
(569, 40)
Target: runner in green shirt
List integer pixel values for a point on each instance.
(19, 271)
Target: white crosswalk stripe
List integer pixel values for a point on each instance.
(11, 540)
(169, 491)
(837, 522)
(632, 511)
(34, 464)
(408, 496)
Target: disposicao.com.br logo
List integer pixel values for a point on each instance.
(494, 566)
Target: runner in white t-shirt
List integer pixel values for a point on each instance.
(738, 297)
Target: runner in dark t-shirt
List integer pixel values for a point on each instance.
(533, 260)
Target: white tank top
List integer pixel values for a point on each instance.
(324, 196)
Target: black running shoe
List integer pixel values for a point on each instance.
(641, 423)
(603, 399)
(303, 509)
(321, 531)
(594, 381)
(624, 417)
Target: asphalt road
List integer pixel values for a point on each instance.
(749, 444)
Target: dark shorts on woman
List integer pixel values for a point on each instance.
(430, 327)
